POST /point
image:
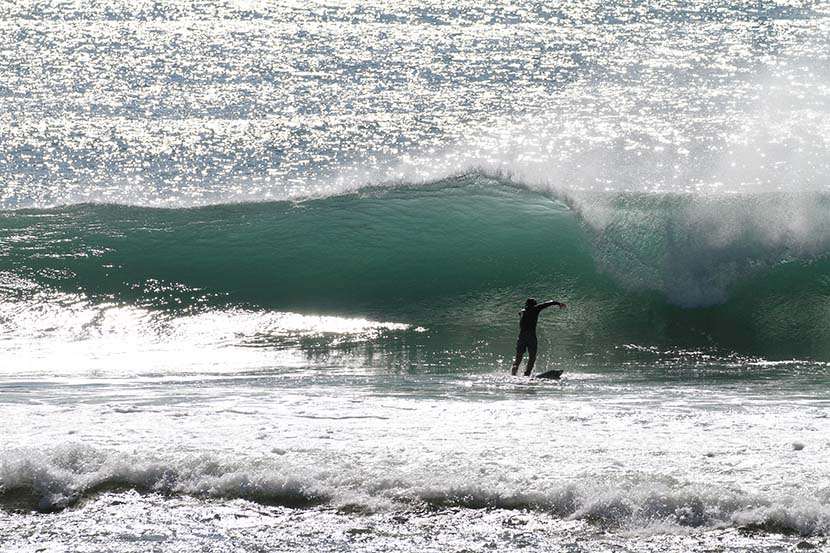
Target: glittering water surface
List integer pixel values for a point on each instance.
(331, 374)
(179, 104)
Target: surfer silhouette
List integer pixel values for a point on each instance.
(527, 332)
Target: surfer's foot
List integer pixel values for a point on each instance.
(527, 373)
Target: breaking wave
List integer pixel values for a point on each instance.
(746, 272)
(61, 477)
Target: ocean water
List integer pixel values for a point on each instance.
(261, 264)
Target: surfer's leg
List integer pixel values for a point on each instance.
(519, 355)
(531, 354)
(531, 360)
(520, 352)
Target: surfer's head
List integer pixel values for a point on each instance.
(530, 302)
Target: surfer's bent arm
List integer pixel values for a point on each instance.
(551, 302)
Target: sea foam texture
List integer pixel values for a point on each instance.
(57, 478)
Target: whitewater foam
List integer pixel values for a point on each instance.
(58, 478)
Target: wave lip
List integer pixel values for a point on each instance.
(50, 481)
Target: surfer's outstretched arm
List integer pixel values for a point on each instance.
(551, 302)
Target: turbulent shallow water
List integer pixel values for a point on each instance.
(260, 269)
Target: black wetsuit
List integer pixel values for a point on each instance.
(527, 329)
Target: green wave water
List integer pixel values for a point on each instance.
(457, 257)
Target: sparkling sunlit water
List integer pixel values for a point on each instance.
(152, 400)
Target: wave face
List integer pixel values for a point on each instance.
(747, 273)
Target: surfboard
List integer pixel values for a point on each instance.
(551, 375)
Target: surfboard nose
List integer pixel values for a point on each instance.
(551, 375)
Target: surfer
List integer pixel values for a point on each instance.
(527, 332)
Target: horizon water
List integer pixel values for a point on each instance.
(261, 267)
